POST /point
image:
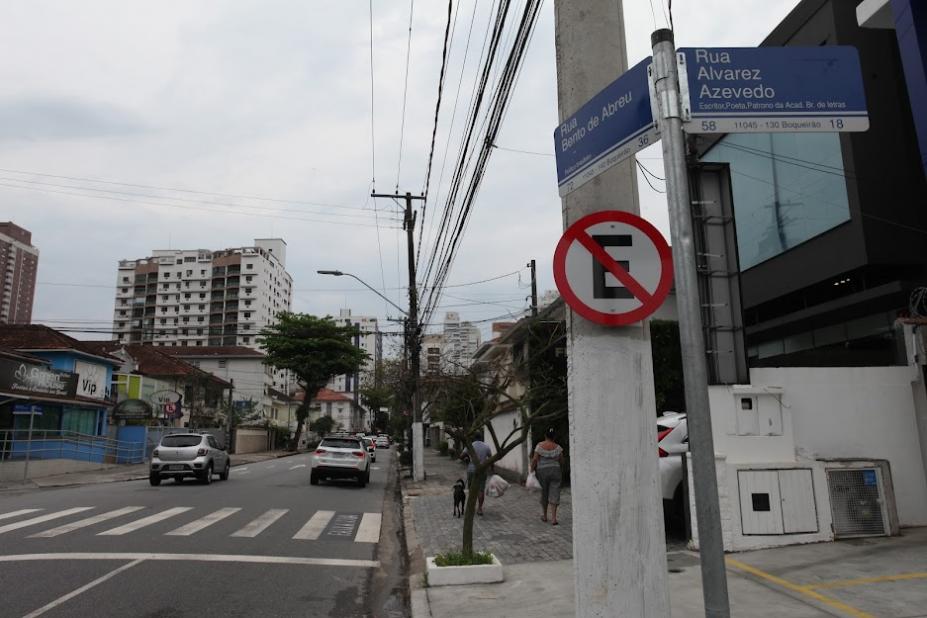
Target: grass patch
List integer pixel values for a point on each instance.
(458, 559)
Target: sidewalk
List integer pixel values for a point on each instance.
(859, 578)
(119, 473)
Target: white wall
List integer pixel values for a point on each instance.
(857, 412)
(827, 413)
(503, 425)
(249, 376)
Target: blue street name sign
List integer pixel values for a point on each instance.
(612, 126)
(773, 89)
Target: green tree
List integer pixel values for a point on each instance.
(377, 392)
(323, 425)
(315, 349)
(667, 366)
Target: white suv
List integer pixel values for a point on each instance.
(338, 458)
(673, 441)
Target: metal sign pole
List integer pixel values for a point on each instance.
(665, 79)
(29, 443)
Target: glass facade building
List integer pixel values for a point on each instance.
(787, 189)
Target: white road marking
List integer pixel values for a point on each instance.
(369, 529)
(298, 466)
(81, 590)
(241, 470)
(19, 512)
(43, 518)
(271, 466)
(83, 523)
(261, 524)
(203, 522)
(315, 526)
(194, 558)
(374, 467)
(146, 521)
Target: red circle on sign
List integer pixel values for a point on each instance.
(648, 305)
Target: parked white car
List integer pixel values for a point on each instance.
(672, 440)
(338, 458)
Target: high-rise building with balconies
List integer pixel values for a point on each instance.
(19, 262)
(199, 297)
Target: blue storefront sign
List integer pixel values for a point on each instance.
(24, 408)
(612, 126)
(773, 89)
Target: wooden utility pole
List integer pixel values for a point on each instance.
(413, 336)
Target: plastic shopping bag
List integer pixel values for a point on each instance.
(496, 486)
(532, 481)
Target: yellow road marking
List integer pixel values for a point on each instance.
(847, 583)
(802, 590)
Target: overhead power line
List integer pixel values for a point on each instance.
(179, 190)
(405, 92)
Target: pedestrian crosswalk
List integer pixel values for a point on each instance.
(248, 523)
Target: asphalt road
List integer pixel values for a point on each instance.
(264, 543)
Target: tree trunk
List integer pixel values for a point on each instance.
(470, 511)
(301, 413)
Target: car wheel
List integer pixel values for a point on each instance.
(313, 479)
(361, 481)
(367, 475)
(154, 479)
(224, 476)
(207, 476)
(178, 479)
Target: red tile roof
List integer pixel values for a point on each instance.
(33, 337)
(326, 394)
(228, 351)
(152, 361)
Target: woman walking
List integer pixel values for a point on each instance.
(546, 464)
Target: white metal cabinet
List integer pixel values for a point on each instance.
(799, 512)
(760, 502)
(774, 502)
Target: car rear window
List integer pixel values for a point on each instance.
(340, 443)
(181, 440)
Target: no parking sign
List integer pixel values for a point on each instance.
(613, 268)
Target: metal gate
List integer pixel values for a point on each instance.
(857, 501)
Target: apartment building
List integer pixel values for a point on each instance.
(368, 338)
(461, 341)
(19, 262)
(199, 297)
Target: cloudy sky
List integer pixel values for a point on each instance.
(216, 122)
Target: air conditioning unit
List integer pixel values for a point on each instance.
(858, 502)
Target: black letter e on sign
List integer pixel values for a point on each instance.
(600, 290)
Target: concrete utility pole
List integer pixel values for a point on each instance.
(692, 340)
(619, 549)
(413, 337)
(534, 288)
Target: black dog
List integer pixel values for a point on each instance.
(460, 498)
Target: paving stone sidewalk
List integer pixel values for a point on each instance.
(511, 527)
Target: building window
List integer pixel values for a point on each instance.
(787, 188)
(223, 363)
(202, 273)
(189, 259)
(202, 307)
(189, 273)
(249, 266)
(247, 314)
(247, 339)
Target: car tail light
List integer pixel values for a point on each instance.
(154, 453)
(320, 451)
(660, 437)
(201, 452)
(357, 453)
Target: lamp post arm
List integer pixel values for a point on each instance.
(375, 291)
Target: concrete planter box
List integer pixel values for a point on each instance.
(457, 575)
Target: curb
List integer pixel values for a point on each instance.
(418, 594)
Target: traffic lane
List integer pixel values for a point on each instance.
(152, 588)
(25, 586)
(288, 494)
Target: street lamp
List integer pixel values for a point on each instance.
(413, 341)
(338, 273)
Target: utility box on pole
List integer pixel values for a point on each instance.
(619, 548)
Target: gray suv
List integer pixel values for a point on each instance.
(188, 455)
